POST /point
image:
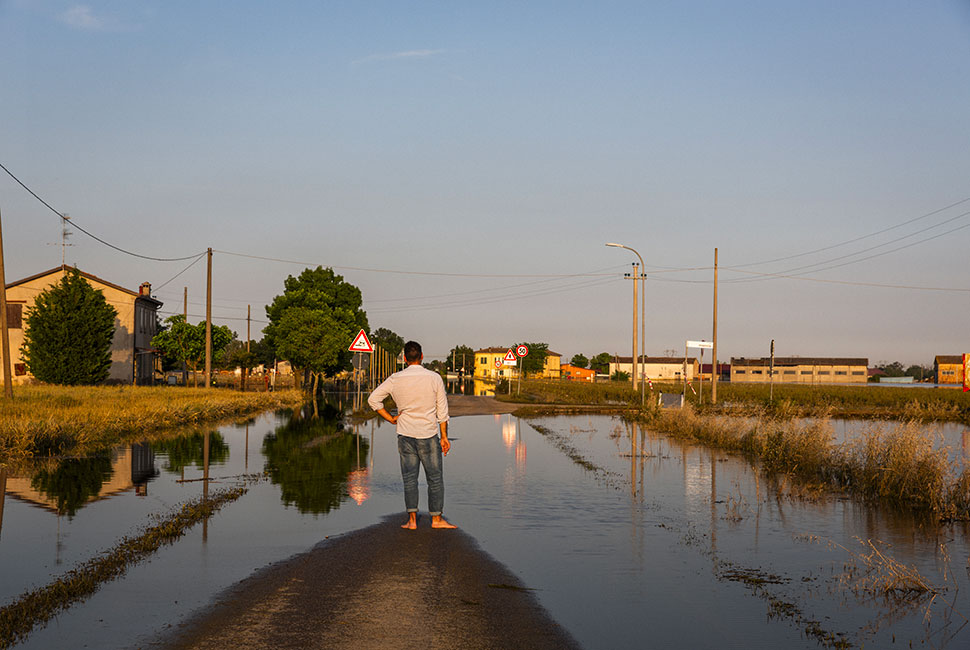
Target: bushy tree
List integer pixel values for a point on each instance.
(183, 342)
(68, 333)
(387, 340)
(534, 362)
(579, 360)
(314, 321)
(461, 357)
(601, 363)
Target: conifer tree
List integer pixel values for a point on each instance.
(68, 333)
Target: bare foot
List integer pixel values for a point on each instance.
(439, 522)
(411, 523)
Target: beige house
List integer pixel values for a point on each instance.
(657, 368)
(948, 368)
(488, 364)
(132, 358)
(801, 370)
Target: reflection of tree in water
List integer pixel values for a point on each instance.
(310, 460)
(74, 482)
(189, 450)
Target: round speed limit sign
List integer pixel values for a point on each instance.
(522, 351)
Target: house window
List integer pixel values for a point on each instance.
(756, 372)
(738, 372)
(482, 361)
(823, 372)
(806, 372)
(789, 372)
(15, 316)
(858, 372)
(841, 372)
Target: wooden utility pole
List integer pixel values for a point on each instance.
(4, 332)
(714, 370)
(185, 304)
(208, 320)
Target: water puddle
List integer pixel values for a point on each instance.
(628, 538)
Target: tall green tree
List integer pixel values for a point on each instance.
(461, 357)
(601, 362)
(579, 360)
(67, 339)
(534, 362)
(314, 321)
(183, 342)
(388, 340)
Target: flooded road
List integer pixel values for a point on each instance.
(629, 538)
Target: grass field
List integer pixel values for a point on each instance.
(790, 400)
(65, 420)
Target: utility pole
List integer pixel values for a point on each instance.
(637, 276)
(208, 320)
(714, 369)
(636, 359)
(4, 331)
(771, 374)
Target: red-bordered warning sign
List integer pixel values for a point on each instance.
(510, 358)
(361, 343)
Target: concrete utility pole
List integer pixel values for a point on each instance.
(714, 370)
(4, 332)
(208, 320)
(642, 278)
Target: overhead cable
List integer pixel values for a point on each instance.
(93, 236)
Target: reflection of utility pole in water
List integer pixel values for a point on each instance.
(205, 485)
(246, 452)
(3, 494)
(713, 505)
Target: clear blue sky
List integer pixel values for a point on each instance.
(515, 139)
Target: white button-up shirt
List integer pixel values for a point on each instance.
(422, 402)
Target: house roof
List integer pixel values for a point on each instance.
(801, 361)
(84, 274)
(494, 350)
(655, 360)
(949, 358)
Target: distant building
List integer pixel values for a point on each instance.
(657, 368)
(948, 369)
(132, 357)
(575, 373)
(801, 370)
(488, 364)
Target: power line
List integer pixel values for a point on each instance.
(427, 273)
(74, 224)
(852, 241)
(191, 264)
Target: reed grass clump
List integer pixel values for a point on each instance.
(897, 465)
(57, 420)
(38, 606)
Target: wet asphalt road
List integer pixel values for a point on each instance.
(379, 587)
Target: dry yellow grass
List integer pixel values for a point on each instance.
(57, 420)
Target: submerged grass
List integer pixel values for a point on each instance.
(60, 420)
(897, 465)
(789, 400)
(36, 607)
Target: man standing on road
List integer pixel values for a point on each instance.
(422, 413)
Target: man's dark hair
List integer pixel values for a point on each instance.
(412, 351)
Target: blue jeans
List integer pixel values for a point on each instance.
(427, 452)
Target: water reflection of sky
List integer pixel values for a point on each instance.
(629, 550)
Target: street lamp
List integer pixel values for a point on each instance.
(643, 318)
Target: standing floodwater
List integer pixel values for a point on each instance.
(629, 539)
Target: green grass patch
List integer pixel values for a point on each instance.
(72, 420)
(38, 606)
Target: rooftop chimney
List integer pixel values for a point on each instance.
(145, 289)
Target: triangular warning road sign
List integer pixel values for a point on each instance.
(510, 356)
(361, 343)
